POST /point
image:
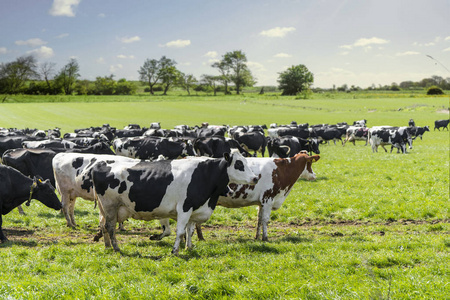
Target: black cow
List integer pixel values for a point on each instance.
(16, 188)
(441, 123)
(288, 146)
(326, 134)
(411, 123)
(208, 131)
(299, 132)
(152, 148)
(12, 142)
(419, 131)
(252, 141)
(216, 146)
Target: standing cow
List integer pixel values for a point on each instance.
(186, 190)
(16, 188)
(441, 123)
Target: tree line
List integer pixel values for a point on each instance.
(26, 76)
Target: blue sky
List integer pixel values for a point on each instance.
(352, 42)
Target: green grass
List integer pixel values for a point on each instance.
(372, 226)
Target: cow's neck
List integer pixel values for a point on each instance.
(288, 171)
(20, 191)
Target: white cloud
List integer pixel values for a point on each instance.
(101, 15)
(100, 60)
(64, 8)
(42, 52)
(177, 44)
(447, 38)
(365, 43)
(115, 68)
(212, 54)
(446, 50)
(344, 53)
(3, 50)
(128, 40)
(125, 56)
(407, 53)
(277, 31)
(256, 66)
(36, 42)
(282, 55)
(63, 35)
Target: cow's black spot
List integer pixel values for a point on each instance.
(77, 163)
(103, 178)
(149, 182)
(208, 181)
(123, 187)
(239, 165)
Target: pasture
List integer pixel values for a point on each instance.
(372, 226)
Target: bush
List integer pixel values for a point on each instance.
(434, 90)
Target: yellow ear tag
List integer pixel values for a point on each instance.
(40, 180)
(34, 184)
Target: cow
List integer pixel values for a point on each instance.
(411, 123)
(277, 176)
(186, 190)
(55, 143)
(252, 141)
(441, 123)
(16, 188)
(151, 148)
(381, 137)
(211, 130)
(216, 146)
(419, 131)
(326, 134)
(12, 142)
(287, 146)
(70, 181)
(356, 133)
(360, 123)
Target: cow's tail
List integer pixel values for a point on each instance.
(94, 192)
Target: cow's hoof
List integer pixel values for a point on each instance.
(155, 237)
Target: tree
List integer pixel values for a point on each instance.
(67, 77)
(187, 81)
(105, 85)
(13, 75)
(295, 79)
(240, 75)
(210, 81)
(153, 71)
(224, 70)
(170, 76)
(46, 70)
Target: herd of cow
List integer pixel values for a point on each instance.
(143, 177)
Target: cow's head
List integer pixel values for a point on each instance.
(314, 145)
(43, 191)
(308, 172)
(238, 170)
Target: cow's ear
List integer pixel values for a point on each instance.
(314, 158)
(227, 157)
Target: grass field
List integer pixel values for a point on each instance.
(372, 226)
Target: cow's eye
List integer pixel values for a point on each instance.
(239, 165)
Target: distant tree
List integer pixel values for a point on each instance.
(225, 75)
(46, 71)
(14, 75)
(105, 85)
(210, 81)
(170, 76)
(83, 87)
(67, 77)
(295, 80)
(240, 75)
(187, 81)
(125, 87)
(153, 70)
(435, 90)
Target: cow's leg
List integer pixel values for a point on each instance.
(101, 222)
(267, 209)
(258, 225)
(65, 202)
(383, 148)
(121, 227)
(72, 212)
(20, 209)
(3, 238)
(198, 228)
(182, 221)
(165, 225)
(189, 231)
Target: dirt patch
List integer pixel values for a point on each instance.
(443, 111)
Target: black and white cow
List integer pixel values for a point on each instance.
(327, 134)
(252, 141)
(13, 142)
(381, 137)
(360, 123)
(55, 143)
(216, 146)
(16, 188)
(71, 180)
(441, 123)
(419, 131)
(152, 148)
(186, 190)
(356, 133)
(287, 146)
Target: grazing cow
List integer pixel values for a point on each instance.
(441, 123)
(12, 142)
(419, 131)
(381, 137)
(252, 141)
(356, 133)
(411, 123)
(216, 146)
(211, 130)
(326, 134)
(277, 176)
(287, 146)
(71, 181)
(56, 143)
(151, 148)
(16, 188)
(360, 123)
(186, 190)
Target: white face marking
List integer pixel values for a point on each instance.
(240, 176)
